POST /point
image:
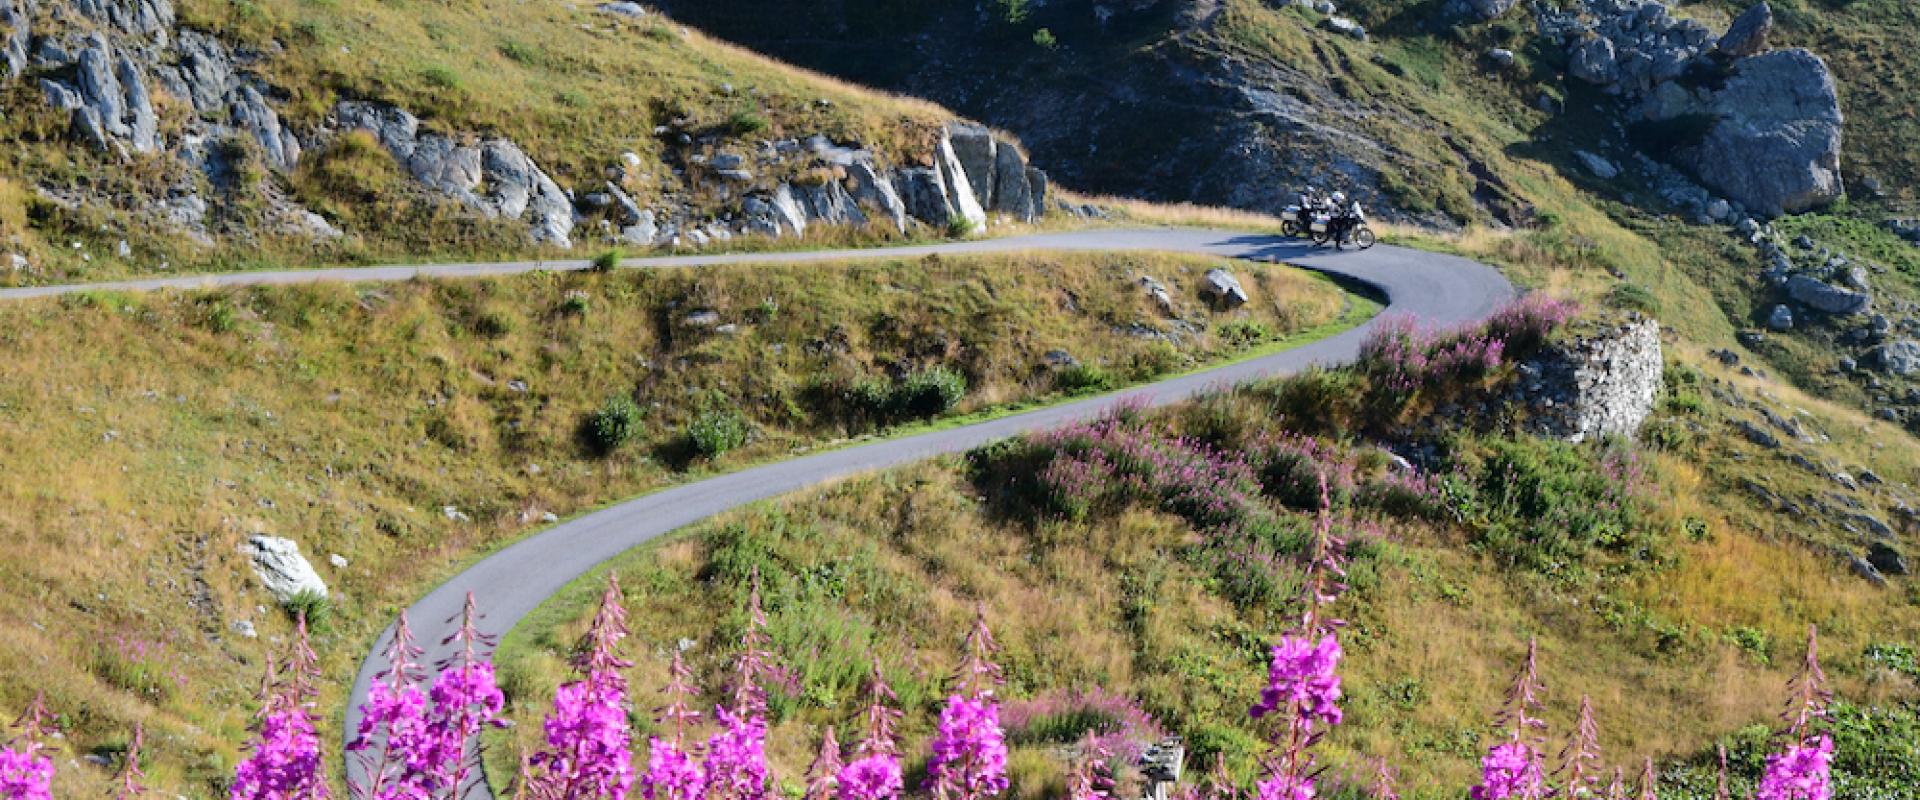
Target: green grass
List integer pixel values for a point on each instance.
(174, 425)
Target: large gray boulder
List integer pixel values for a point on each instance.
(1594, 61)
(281, 569)
(1221, 289)
(1011, 193)
(107, 97)
(925, 195)
(1748, 34)
(1896, 358)
(1827, 298)
(1775, 147)
(829, 203)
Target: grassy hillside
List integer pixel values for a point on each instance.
(406, 427)
(1676, 605)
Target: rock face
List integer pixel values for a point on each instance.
(1599, 384)
(1776, 145)
(14, 20)
(1827, 298)
(281, 569)
(1748, 34)
(1480, 10)
(493, 176)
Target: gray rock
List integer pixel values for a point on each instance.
(1222, 289)
(1595, 62)
(108, 98)
(18, 263)
(1776, 145)
(1781, 319)
(14, 19)
(925, 196)
(1886, 559)
(789, 211)
(959, 189)
(702, 319)
(1719, 210)
(1060, 358)
(1758, 435)
(829, 203)
(1502, 57)
(1481, 10)
(976, 150)
(1748, 34)
(1010, 193)
(1896, 358)
(1865, 569)
(281, 569)
(626, 211)
(1157, 291)
(1826, 297)
(1345, 27)
(875, 191)
(623, 8)
(146, 19)
(1598, 165)
(245, 630)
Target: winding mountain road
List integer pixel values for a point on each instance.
(511, 583)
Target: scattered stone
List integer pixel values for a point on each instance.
(1758, 435)
(1060, 358)
(623, 8)
(281, 569)
(244, 628)
(338, 561)
(1866, 570)
(1502, 57)
(702, 319)
(1781, 319)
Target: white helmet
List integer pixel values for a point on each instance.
(1339, 197)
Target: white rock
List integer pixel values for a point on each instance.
(1599, 166)
(281, 569)
(338, 561)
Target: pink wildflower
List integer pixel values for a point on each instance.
(588, 754)
(873, 777)
(823, 775)
(1303, 677)
(1510, 770)
(1801, 772)
(969, 750)
(737, 758)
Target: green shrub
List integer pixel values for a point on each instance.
(746, 123)
(1633, 297)
(930, 392)
(716, 432)
(959, 227)
(441, 77)
(1045, 39)
(612, 425)
(1084, 379)
(1244, 332)
(312, 606)
(607, 261)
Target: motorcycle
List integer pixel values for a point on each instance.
(1295, 222)
(1348, 227)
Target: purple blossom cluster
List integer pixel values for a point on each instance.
(420, 744)
(285, 763)
(1404, 357)
(969, 749)
(1109, 463)
(25, 772)
(1303, 676)
(1123, 729)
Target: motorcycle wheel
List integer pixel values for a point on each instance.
(1289, 229)
(1322, 238)
(1364, 238)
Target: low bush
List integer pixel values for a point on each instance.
(610, 426)
(929, 392)
(1084, 379)
(312, 606)
(716, 432)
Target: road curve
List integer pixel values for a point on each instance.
(511, 583)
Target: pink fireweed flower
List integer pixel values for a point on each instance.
(1647, 782)
(1580, 758)
(588, 753)
(25, 774)
(1303, 676)
(1382, 787)
(880, 716)
(285, 764)
(979, 675)
(132, 778)
(1801, 772)
(672, 773)
(969, 750)
(737, 758)
(1510, 770)
(823, 775)
(872, 777)
(1281, 786)
(1720, 789)
(757, 664)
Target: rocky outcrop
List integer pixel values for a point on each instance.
(107, 97)
(205, 76)
(1595, 384)
(1480, 10)
(1769, 123)
(281, 569)
(15, 33)
(1775, 146)
(492, 176)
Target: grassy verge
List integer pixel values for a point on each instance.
(405, 427)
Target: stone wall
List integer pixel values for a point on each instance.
(1597, 382)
